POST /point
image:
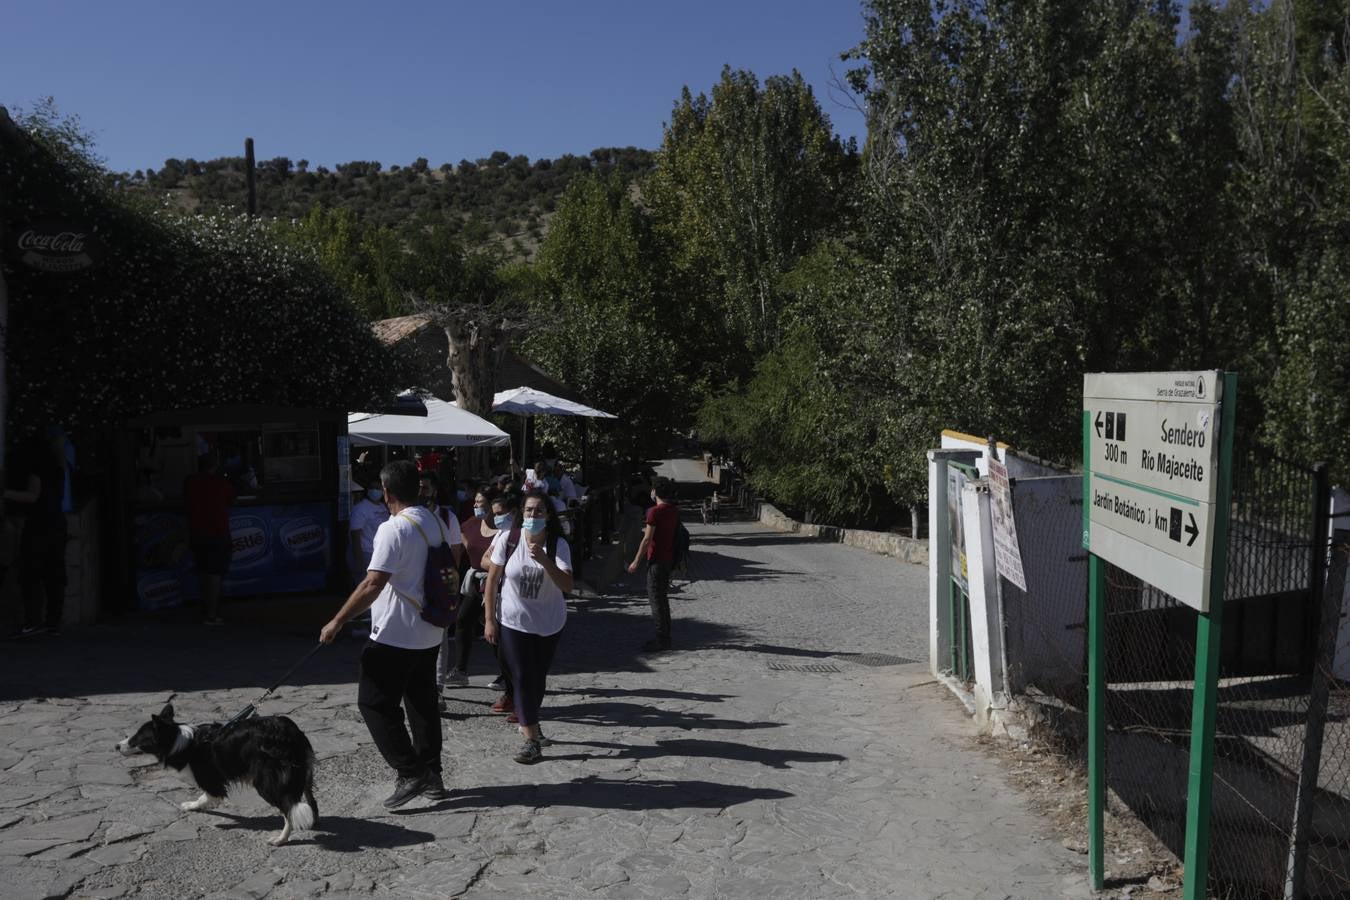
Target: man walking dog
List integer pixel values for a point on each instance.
(398, 664)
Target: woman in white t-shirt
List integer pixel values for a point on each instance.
(530, 568)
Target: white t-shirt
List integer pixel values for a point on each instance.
(367, 516)
(529, 600)
(568, 487)
(401, 550)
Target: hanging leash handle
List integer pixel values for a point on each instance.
(252, 708)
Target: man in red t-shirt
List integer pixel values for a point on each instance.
(658, 545)
(207, 497)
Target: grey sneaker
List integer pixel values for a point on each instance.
(544, 741)
(529, 754)
(435, 789)
(456, 678)
(407, 788)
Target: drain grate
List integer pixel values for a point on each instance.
(804, 667)
(874, 659)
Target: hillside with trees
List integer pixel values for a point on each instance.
(502, 198)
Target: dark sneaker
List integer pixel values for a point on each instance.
(456, 678)
(407, 788)
(529, 754)
(498, 684)
(435, 789)
(544, 741)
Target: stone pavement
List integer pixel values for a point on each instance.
(784, 749)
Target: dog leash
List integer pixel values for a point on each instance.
(253, 707)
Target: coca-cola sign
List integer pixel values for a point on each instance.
(57, 248)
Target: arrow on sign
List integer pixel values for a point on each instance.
(1192, 529)
(1099, 423)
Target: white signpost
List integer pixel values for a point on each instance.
(1157, 484)
(1151, 476)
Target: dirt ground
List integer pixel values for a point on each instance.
(1138, 866)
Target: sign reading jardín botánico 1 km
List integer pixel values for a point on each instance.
(1150, 477)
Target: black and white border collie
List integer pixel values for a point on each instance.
(270, 753)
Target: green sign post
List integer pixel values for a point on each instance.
(1157, 482)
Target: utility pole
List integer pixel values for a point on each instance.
(248, 176)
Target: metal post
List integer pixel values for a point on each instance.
(1208, 638)
(1096, 659)
(1326, 582)
(249, 177)
(1096, 646)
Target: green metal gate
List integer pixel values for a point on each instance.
(958, 594)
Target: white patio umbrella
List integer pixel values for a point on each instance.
(444, 425)
(525, 401)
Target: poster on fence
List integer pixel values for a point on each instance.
(956, 480)
(1007, 555)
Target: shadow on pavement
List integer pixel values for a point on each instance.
(341, 834)
(594, 792)
(611, 713)
(151, 657)
(776, 759)
(652, 693)
(779, 650)
(776, 539)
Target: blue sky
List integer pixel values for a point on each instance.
(332, 82)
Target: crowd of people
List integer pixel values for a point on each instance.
(515, 552)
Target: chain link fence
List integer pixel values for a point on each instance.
(1281, 795)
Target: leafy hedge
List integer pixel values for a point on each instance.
(179, 312)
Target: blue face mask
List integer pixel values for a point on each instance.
(502, 521)
(533, 526)
(480, 512)
(374, 495)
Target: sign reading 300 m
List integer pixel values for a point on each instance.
(1151, 441)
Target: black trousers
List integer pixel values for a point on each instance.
(528, 657)
(42, 570)
(658, 587)
(466, 620)
(394, 679)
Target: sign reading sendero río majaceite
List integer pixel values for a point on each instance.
(1151, 442)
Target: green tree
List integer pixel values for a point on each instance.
(1040, 202)
(599, 321)
(745, 182)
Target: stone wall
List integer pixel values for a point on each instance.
(883, 542)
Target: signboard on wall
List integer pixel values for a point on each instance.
(1150, 476)
(277, 549)
(1007, 553)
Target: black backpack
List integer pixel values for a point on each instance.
(440, 581)
(680, 555)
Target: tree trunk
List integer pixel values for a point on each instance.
(475, 354)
